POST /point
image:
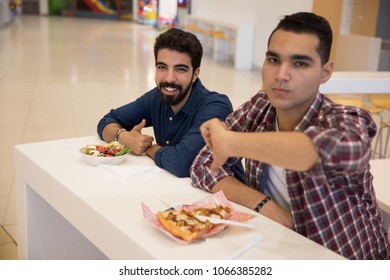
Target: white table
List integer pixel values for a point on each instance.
(380, 169)
(67, 209)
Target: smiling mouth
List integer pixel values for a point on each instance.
(170, 89)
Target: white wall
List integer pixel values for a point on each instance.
(263, 14)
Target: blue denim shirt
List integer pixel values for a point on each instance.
(179, 134)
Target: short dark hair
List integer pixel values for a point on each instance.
(305, 22)
(181, 41)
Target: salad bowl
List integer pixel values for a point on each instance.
(112, 153)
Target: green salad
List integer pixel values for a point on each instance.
(112, 149)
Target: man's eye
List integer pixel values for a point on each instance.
(301, 64)
(182, 69)
(273, 60)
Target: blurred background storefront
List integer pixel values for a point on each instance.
(160, 13)
(360, 26)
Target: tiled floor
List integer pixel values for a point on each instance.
(59, 75)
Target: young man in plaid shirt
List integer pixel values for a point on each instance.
(307, 158)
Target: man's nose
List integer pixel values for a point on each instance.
(283, 72)
(171, 75)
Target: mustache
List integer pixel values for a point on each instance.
(172, 85)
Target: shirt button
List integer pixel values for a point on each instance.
(167, 142)
(170, 118)
(264, 174)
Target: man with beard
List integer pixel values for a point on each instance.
(175, 108)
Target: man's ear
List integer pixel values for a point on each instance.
(196, 74)
(327, 71)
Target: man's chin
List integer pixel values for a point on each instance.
(169, 100)
(170, 94)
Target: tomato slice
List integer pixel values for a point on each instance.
(102, 149)
(115, 150)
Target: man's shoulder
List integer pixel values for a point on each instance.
(330, 106)
(206, 95)
(213, 98)
(259, 100)
(214, 95)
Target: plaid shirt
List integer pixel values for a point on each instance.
(334, 202)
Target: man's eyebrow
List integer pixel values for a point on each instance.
(302, 57)
(176, 66)
(182, 66)
(160, 63)
(271, 53)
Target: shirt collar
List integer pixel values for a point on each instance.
(311, 113)
(268, 123)
(193, 98)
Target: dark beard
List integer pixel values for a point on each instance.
(174, 100)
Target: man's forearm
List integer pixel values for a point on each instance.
(236, 191)
(291, 150)
(151, 151)
(109, 131)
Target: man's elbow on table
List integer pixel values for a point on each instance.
(179, 168)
